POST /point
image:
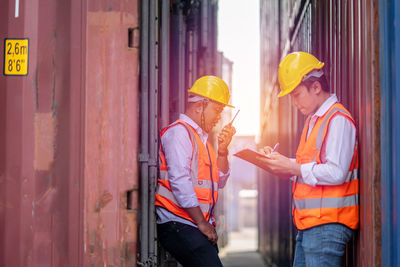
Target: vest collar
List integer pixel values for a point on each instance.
(325, 106)
(203, 135)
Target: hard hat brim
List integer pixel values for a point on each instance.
(283, 93)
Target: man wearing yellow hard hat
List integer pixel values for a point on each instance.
(191, 174)
(325, 171)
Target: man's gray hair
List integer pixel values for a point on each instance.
(196, 98)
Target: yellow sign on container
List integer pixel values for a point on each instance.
(16, 56)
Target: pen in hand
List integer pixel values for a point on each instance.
(275, 147)
(273, 150)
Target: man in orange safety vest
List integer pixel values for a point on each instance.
(325, 186)
(191, 174)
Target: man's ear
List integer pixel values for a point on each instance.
(316, 87)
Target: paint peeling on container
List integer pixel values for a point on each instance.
(44, 141)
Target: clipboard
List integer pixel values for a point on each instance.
(251, 155)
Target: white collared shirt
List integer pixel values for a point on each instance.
(178, 151)
(336, 152)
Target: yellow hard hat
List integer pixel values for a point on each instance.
(212, 88)
(293, 68)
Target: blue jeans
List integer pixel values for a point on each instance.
(188, 245)
(322, 245)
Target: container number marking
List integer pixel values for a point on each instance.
(16, 56)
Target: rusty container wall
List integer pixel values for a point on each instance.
(3, 154)
(111, 133)
(41, 154)
(344, 34)
(352, 51)
(68, 143)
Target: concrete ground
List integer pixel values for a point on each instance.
(241, 249)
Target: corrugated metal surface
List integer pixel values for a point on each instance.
(69, 151)
(390, 128)
(69, 148)
(41, 203)
(69, 154)
(3, 14)
(344, 34)
(193, 49)
(353, 55)
(111, 134)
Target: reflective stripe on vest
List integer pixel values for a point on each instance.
(202, 179)
(207, 184)
(331, 202)
(323, 204)
(320, 134)
(168, 194)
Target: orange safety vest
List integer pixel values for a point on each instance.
(205, 177)
(324, 204)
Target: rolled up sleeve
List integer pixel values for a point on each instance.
(307, 173)
(223, 178)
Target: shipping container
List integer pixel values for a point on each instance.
(69, 133)
(357, 41)
(389, 48)
(85, 88)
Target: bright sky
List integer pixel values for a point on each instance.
(239, 40)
